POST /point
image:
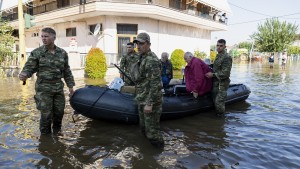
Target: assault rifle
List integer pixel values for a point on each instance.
(124, 73)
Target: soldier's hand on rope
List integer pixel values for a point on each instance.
(71, 92)
(23, 76)
(148, 109)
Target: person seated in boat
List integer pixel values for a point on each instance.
(126, 62)
(196, 81)
(166, 69)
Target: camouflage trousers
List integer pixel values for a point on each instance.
(50, 100)
(149, 124)
(219, 94)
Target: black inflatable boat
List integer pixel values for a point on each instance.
(103, 103)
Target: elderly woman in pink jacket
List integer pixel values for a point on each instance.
(195, 79)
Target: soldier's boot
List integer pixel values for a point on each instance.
(45, 124)
(220, 114)
(143, 131)
(45, 129)
(157, 143)
(220, 111)
(57, 120)
(56, 127)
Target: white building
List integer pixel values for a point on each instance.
(171, 24)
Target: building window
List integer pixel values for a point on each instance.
(176, 4)
(92, 29)
(70, 32)
(127, 29)
(35, 34)
(63, 3)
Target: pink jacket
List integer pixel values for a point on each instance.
(195, 78)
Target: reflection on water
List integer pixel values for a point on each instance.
(262, 132)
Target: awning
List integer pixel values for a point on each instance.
(221, 5)
(6, 4)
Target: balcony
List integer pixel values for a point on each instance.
(191, 13)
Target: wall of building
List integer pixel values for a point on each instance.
(165, 36)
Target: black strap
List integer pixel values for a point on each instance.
(97, 100)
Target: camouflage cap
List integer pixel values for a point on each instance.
(142, 37)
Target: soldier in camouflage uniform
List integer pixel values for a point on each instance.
(148, 91)
(221, 73)
(51, 65)
(126, 63)
(166, 69)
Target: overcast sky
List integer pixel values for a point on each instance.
(247, 14)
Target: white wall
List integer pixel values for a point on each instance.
(165, 36)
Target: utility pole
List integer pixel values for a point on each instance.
(22, 54)
(250, 55)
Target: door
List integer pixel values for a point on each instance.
(122, 45)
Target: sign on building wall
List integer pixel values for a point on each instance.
(73, 45)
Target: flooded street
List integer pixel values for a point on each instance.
(262, 132)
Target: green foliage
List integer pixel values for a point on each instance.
(294, 50)
(246, 45)
(200, 55)
(177, 59)
(6, 40)
(274, 36)
(95, 63)
(213, 47)
(234, 53)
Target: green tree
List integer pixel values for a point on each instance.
(95, 63)
(294, 50)
(177, 59)
(246, 45)
(234, 53)
(200, 55)
(274, 36)
(6, 40)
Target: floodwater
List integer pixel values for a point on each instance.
(262, 132)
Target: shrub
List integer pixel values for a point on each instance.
(200, 55)
(95, 63)
(234, 53)
(177, 59)
(294, 50)
(213, 56)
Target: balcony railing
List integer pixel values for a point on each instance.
(177, 5)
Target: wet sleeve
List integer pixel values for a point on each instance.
(31, 65)
(68, 76)
(224, 73)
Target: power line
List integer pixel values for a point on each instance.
(248, 22)
(249, 10)
(265, 19)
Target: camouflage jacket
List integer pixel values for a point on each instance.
(167, 69)
(127, 61)
(49, 66)
(148, 84)
(222, 67)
